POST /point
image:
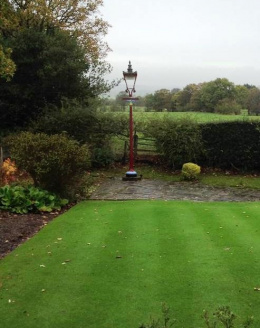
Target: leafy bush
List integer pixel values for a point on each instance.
(102, 156)
(94, 128)
(190, 171)
(91, 127)
(73, 119)
(8, 171)
(18, 199)
(178, 141)
(54, 162)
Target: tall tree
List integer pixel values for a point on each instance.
(253, 101)
(149, 102)
(80, 18)
(241, 95)
(183, 97)
(213, 92)
(7, 66)
(58, 50)
(162, 100)
(49, 67)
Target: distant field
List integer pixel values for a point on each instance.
(196, 116)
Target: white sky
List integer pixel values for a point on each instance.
(172, 43)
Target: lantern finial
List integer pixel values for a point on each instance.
(129, 70)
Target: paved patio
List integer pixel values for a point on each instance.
(116, 189)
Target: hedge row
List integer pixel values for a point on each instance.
(231, 145)
(227, 145)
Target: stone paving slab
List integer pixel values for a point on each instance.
(116, 189)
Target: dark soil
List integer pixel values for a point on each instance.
(17, 228)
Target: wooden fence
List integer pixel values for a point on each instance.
(144, 149)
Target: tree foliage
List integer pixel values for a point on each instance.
(91, 127)
(58, 49)
(228, 106)
(160, 100)
(253, 101)
(214, 91)
(149, 102)
(80, 18)
(185, 98)
(49, 67)
(219, 95)
(7, 66)
(241, 95)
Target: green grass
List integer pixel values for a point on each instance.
(225, 180)
(193, 256)
(196, 116)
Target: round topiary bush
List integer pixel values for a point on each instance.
(190, 171)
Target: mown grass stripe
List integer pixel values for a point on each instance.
(193, 257)
(231, 248)
(170, 252)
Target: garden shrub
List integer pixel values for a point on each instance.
(94, 128)
(73, 119)
(8, 171)
(231, 145)
(177, 140)
(54, 162)
(91, 126)
(102, 156)
(190, 171)
(18, 199)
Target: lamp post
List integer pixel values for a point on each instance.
(130, 79)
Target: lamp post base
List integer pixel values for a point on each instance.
(131, 176)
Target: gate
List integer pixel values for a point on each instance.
(144, 149)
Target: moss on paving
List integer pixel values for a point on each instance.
(111, 264)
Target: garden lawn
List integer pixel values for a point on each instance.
(111, 265)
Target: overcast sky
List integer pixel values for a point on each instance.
(172, 43)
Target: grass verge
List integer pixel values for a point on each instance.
(111, 264)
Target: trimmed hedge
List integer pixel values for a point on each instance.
(179, 141)
(226, 145)
(231, 145)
